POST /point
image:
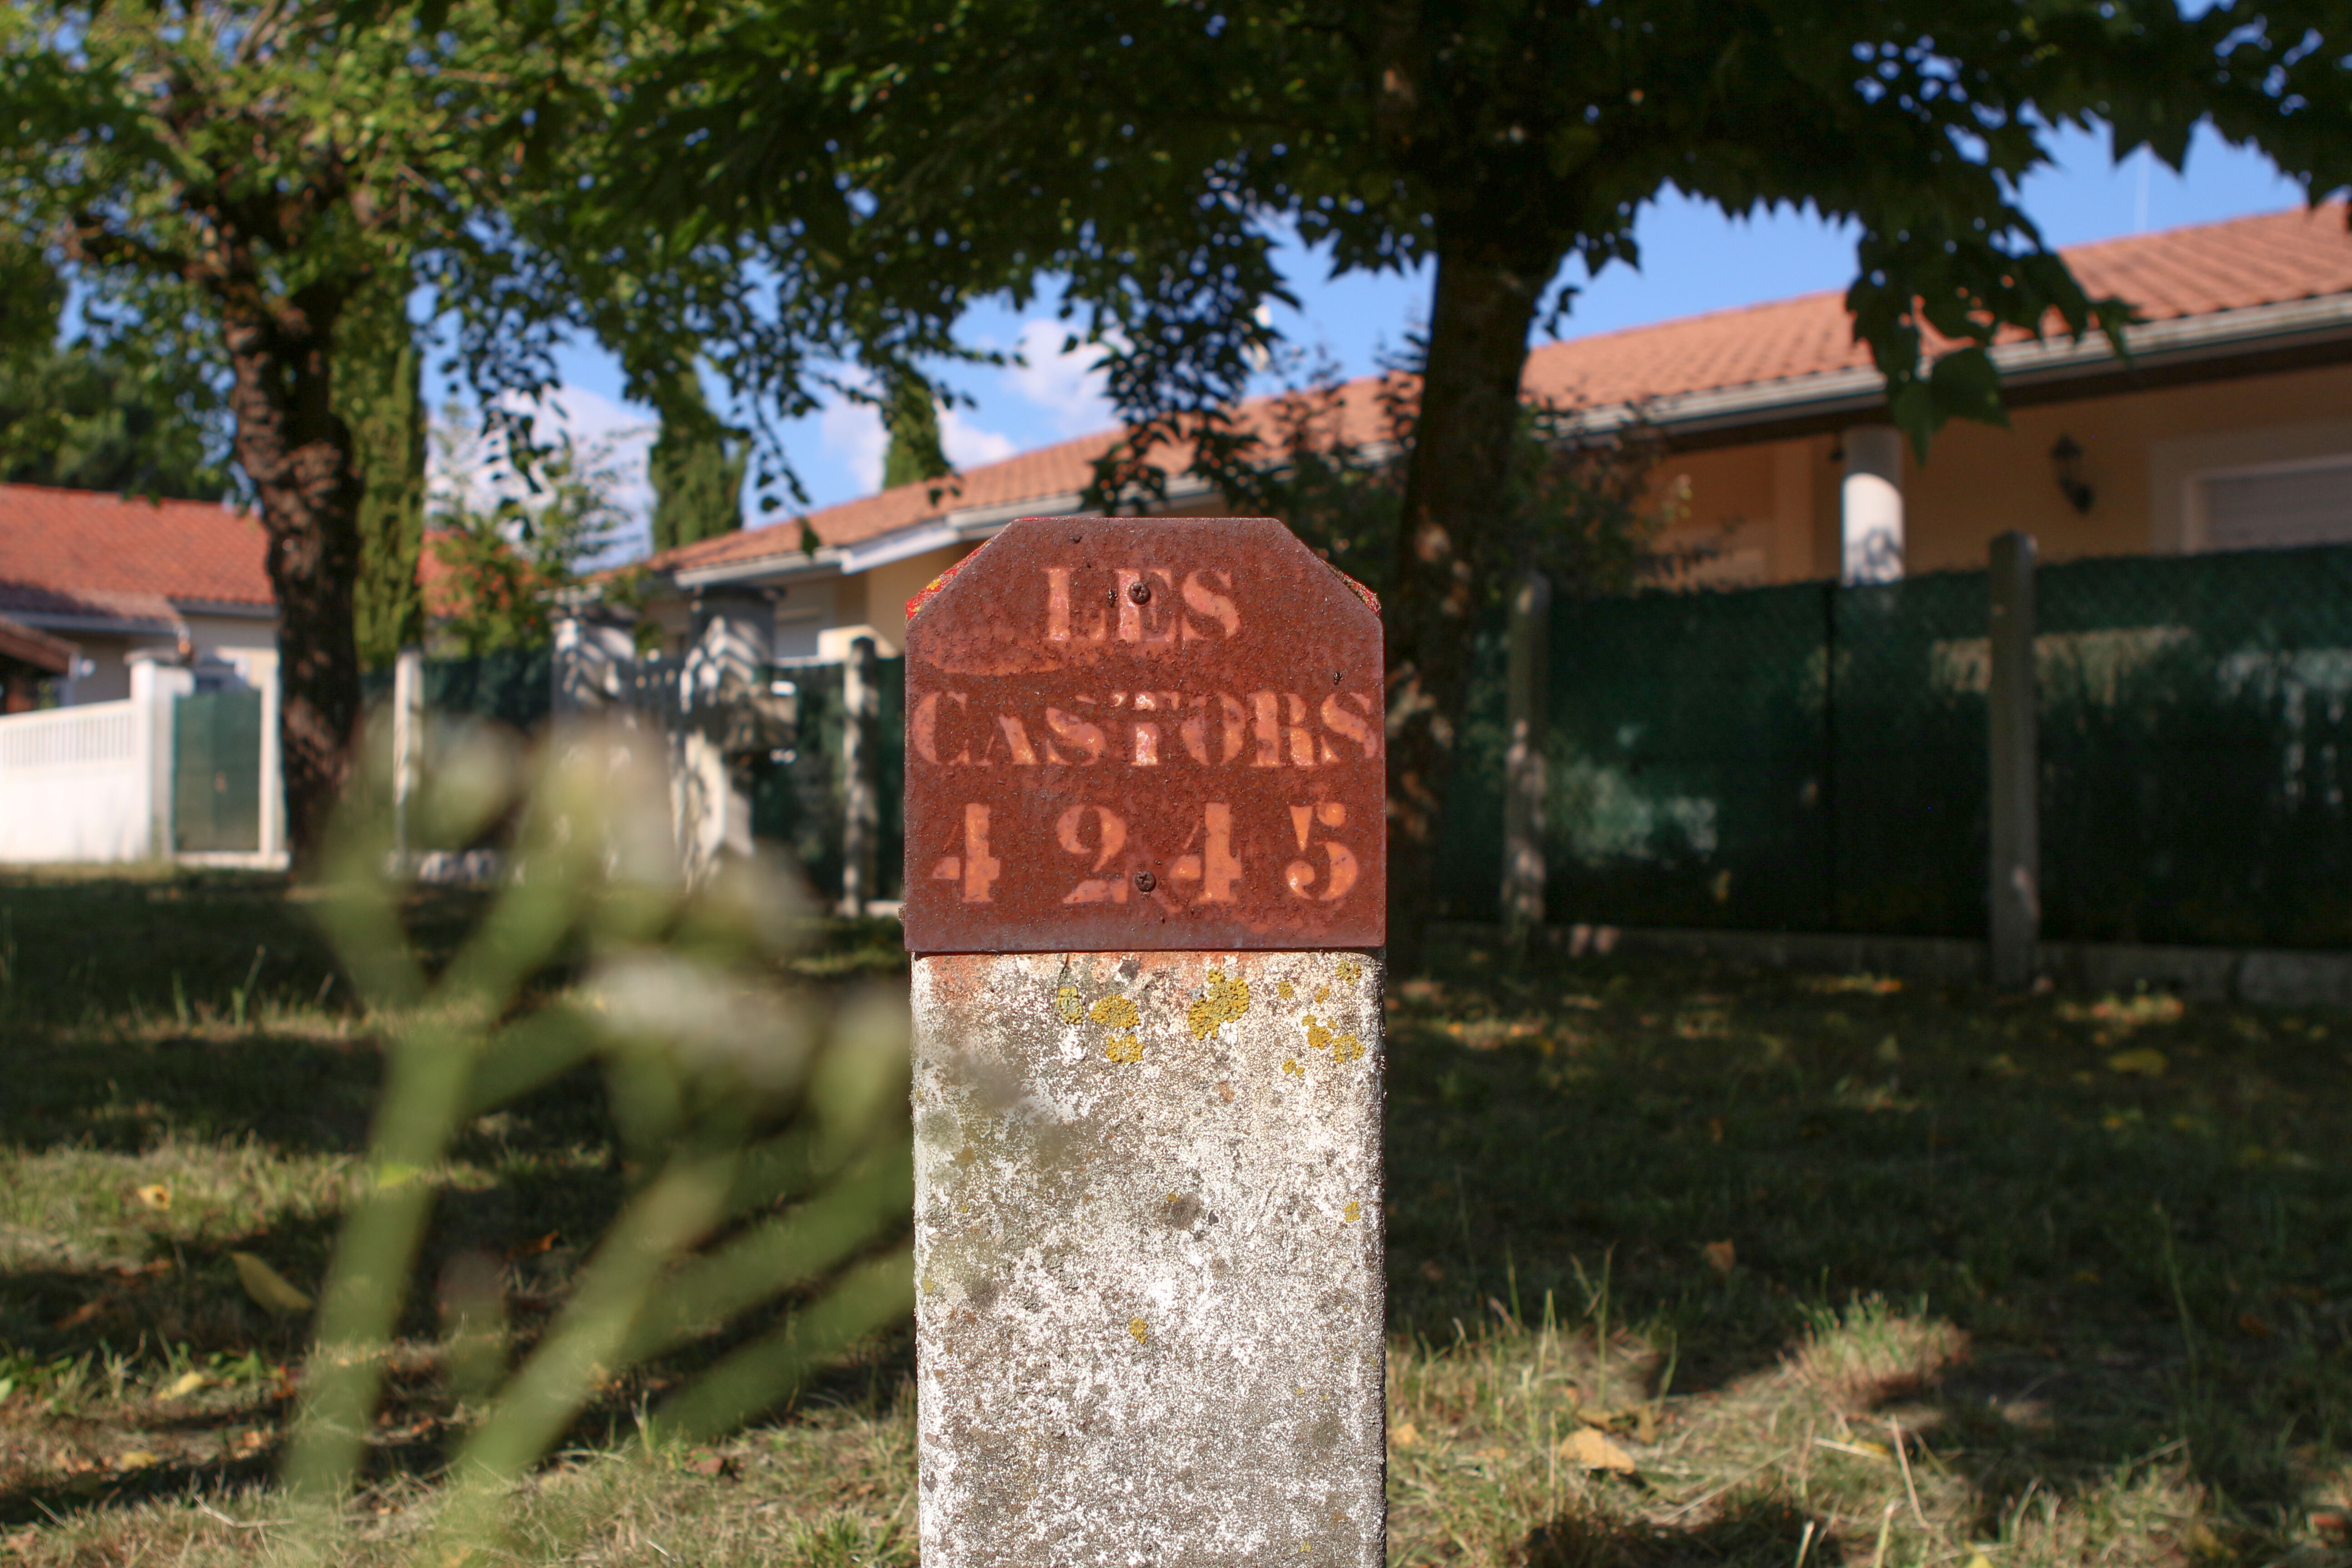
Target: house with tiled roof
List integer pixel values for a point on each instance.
(139, 655)
(2228, 427)
(116, 578)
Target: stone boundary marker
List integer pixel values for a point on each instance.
(1146, 881)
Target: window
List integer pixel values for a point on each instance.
(797, 631)
(2307, 503)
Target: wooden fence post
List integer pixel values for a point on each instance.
(2014, 887)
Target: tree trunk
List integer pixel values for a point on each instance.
(297, 452)
(1455, 490)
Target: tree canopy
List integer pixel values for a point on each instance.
(131, 402)
(1141, 156)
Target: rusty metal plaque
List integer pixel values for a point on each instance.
(1144, 734)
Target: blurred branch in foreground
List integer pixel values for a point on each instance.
(762, 1132)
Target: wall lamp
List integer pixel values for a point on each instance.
(2066, 463)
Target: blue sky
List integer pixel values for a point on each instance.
(1693, 259)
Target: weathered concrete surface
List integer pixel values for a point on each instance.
(1148, 1259)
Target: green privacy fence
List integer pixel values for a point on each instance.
(1814, 757)
(513, 687)
(797, 799)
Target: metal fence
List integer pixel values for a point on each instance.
(513, 687)
(1814, 757)
(798, 796)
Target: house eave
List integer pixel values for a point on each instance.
(2220, 346)
(941, 531)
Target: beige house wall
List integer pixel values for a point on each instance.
(1769, 512)
(875, 602)
(249, 643)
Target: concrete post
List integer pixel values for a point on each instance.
(1527, 699)
(595, 644)
(733, 638)
(156, 685)
(861, 805)
(2014, 891)
(1145, 887)
(407, 747)
(1871, 504)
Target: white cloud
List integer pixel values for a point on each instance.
(1068, 387)
(970, 446)
(854, 434)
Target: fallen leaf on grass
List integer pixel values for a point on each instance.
(2141, 1063)
(136, 1459)
(1978, 1560)
(155, 1195)
(1589, 1448)
(81, 1314)
(1879, 1452)
(2252, 1327)
(187, 1383)
(1405, 1435)
(1720, 1256)
(267, 1287)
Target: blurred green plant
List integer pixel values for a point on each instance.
(762, 1128)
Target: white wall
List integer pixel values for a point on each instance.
(93, 783)
(77, 783)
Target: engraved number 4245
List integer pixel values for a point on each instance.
(1207, 867)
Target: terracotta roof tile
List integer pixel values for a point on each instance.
(2263, 260)
(85, 553)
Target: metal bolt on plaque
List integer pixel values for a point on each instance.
(1146, 887)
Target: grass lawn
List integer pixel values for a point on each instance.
(1686, 1266)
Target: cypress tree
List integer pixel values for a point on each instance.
(380, 394)
(695, 466)
(913, 421)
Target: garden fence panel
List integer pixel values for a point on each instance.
(1813, 757)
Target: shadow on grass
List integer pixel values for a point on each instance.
(1761, 1532)
(2130, 1209)
(2133, 1210)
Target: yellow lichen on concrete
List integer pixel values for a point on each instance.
(1290, 1065)
(1351, 1212)
(1117, 1012)
(1349, 972)
(1343, 1047)
(1124, 1048)
(1066, 1002)
(1222, 1002)
(1140, 1329)
(1285, 991)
